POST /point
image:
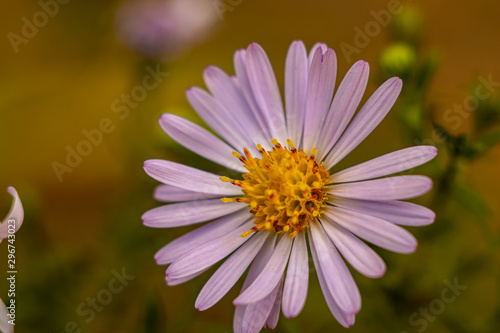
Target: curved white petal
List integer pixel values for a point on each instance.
(270, 276)
(390, 188)
(169, 193)
(256, 314)
(338, 279)
(387, 164)
(226, 90)
(313, 50)
(274, 316)
(246, 88)
(266, 91)
(193, 239)
(399, 212)
(189, 212)
(356, 252)
(5, 327)
(177, 281)
(344, 104)
(209, 253)
(370, 115)
(374, 230)
(296, 73)
(229, 272)
(217, 117)
(14, 218)
(188, 178)
(320, 86)
(345, 319)
(200, 141)
(258, 264)
(297, 278)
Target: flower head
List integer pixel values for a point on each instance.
(162, 29)
(15, 214)
(288, 190)
(8, 227)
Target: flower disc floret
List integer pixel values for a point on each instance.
(284, 189)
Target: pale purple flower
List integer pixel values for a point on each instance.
(164, 29)
(5, 327)
(15, 214)
(290, 191)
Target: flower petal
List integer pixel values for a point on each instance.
(5, 327)
(374, 230)
(344, 318)
(258, 264)
(244, 82)
(257, 314)
(339, 280)
(394, 162)
(196, 238)
(344, 104)
(169, 193)
(177, 281)
(200, 141)
(296, 73)
(209, 253)
(390, 188)
(217, 117)
(274, 316)
(399, 212)
(322, 46)
(266, 91)
(270, 275)
(189, 212)
(356, 252)
(189, 178)
(320, 86)
(229, 95)
(370, 115)
(229, 272)
(15, 214)
(297, 278)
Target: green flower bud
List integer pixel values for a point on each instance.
(397, 60)
(408, 26)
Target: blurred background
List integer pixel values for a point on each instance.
(77, 120)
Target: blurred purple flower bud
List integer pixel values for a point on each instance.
(160, 29)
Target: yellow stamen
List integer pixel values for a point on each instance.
(284, 188)
(246, 233)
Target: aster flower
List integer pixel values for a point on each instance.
(16, 213)
(163, 29)
(289, 193)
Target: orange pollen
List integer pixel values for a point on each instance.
(284, 189)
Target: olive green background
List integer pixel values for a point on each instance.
(79, 230)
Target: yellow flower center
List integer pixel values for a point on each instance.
(283, 189)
